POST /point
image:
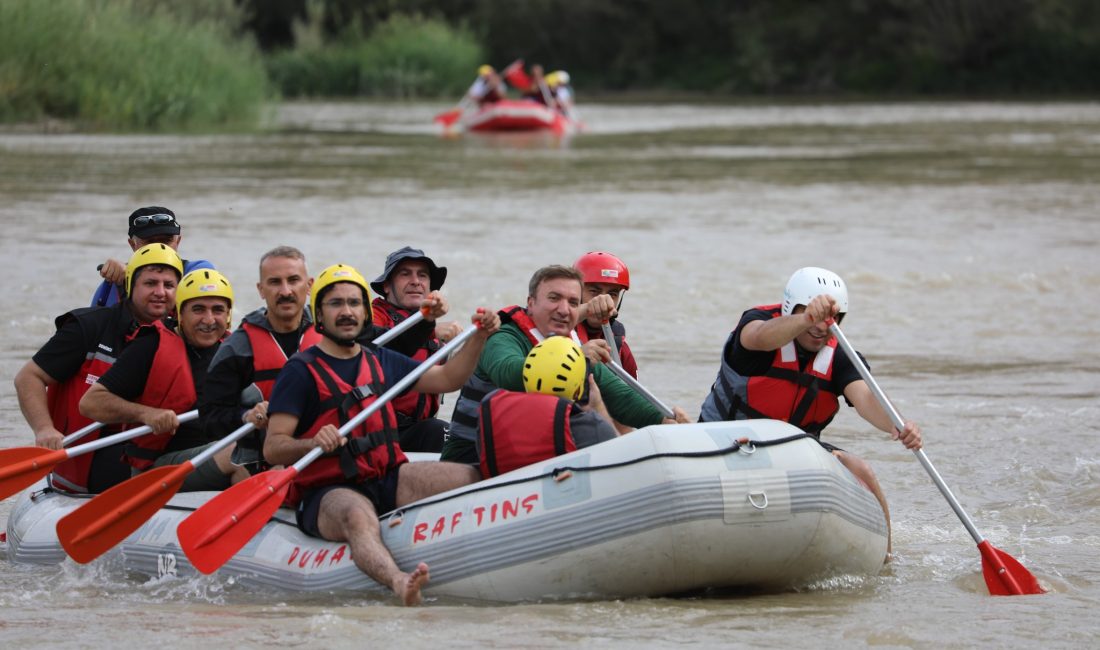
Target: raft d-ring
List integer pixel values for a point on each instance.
(753, 503)
(563, 475)
(396, 519)
(748, 448)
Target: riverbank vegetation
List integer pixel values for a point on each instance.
(128, 64)
(201, 64)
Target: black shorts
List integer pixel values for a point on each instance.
(381, 492)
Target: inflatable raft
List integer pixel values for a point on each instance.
(666, 509)
(516, 115)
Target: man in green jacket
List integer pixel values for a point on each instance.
(553, 309)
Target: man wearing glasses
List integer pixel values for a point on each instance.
(151, 225)
(782, 363)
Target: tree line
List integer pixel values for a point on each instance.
(749, 46)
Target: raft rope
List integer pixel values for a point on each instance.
(560, 473)
(557, 473)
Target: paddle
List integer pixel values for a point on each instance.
(633, 383)
(448, 118)
(211, 535)
(97, 526)
(400, 328)
(1004, 575)
(22, 466)
(609, 336)
(80, 433)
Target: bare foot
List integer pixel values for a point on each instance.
(408, 586)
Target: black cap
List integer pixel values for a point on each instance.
(437, 274)
(162, 222)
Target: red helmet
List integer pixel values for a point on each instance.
(604, 268)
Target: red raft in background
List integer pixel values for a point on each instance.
(516, 115)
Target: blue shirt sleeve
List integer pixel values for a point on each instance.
(106, 295)
(195, 265)
(293, 390)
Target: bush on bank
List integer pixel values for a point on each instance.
(403, 57)
(127, 65)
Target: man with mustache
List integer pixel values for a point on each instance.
(242, 373)
(149, 225)
(339, 496)
(86, 344)
(553, 309)
(161, 374)
(782, 363)
(410, 277)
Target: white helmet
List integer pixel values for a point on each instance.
(810, 282)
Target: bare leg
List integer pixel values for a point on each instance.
(224, 460)
(424, 479)
(863, 472)
(347, 516)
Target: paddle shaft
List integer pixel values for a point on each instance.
(633, 383)
(164, 489)
(214, 448)
(609, 336)
(77, 435)
(398, 388)
(899, 424)
(398, 329)
(129, 434)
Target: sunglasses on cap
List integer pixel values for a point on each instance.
(154, 219)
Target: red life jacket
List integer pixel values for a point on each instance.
(63, 402)
(169, 385)
(586, 333)
(789, 393)
(371, 450)
(517, 429)
(518, 315)
(268, 357)
(417, 406)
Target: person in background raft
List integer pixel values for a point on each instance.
(606, 275)
(553, 308)
(242, 373)
(487, 88)
(549, 418)
(85, 346)
(151, 225)
(558, 84)
(409, 278)
(781, 363)
(161, 374)
(339, 496)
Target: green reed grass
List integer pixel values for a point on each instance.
(124, 65)
(404, 57)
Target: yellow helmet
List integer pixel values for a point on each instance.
(332, 275)
(484, 70)
(204, 283)
(557, 78)
(555, 366)
(153, 254)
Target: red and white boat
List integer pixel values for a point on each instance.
(517, 115)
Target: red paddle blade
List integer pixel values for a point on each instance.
(450, 117)
(1004, 575)
(214, 533)
(22, 466)
(97, 526)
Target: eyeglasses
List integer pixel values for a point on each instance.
(339, 303)
(155, 219)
